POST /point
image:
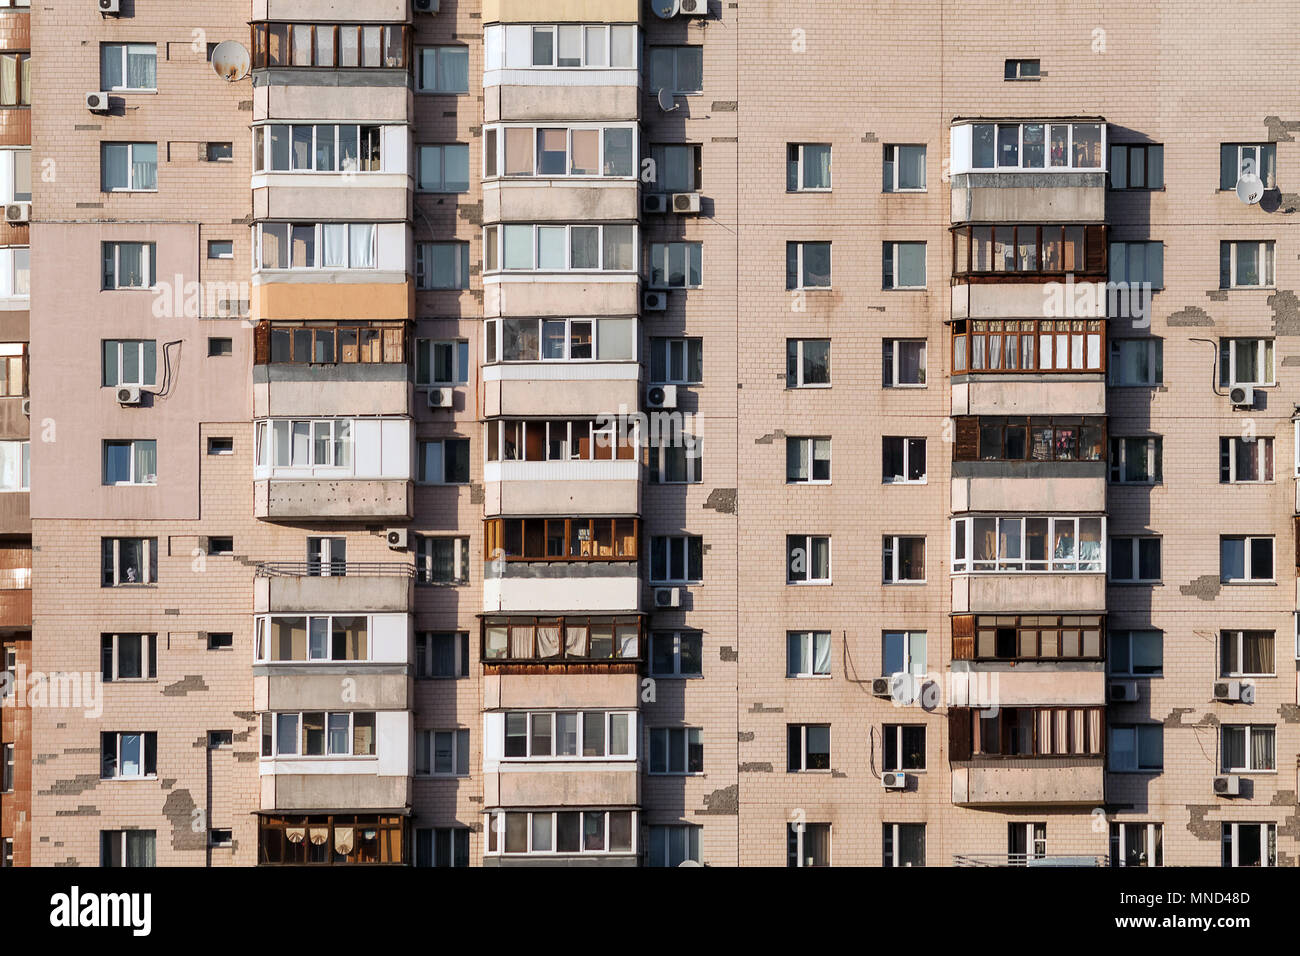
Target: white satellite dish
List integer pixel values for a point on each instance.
(1250, 188)
(689, 863)
(667, 102)
(665, 9)
(231, 61)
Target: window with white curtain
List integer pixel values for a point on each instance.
(129, 265)
(1248, 748)
(674, 844)
(807, 461)
(15, 79)
(808, 167)
(16, 175)
(15, 466)
(320, 148)
(808, 654)
(1245, 362)
(442, 265)
(131, 462)
(904, 169)
(807, 559)
(807, 265)
(442, 69)
(15, 272)
(129, 167)
(129, 362)
(126, 67)
(1022, 543)
(127, 848)
(329, 245)
(903, 265)
(1246, 265)
(904, 363)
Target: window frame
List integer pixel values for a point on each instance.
(1265, 355)
(1154, 362)
(892, 558)
(906, 457)
(1120, 447)
(425, 255)
(426, 560)
(1127, 636)
(1147, 151)
(963, 559)
(134, 480)
(806, 649)
(672, 542)
(1265, 462)
(438, 50)
(426, 753)
(900, 764)
(1238, 636)
(889, 257)
(148, 259)
(149, 561)
(890, 358)
(1248, 733)
(1231, 843)
(1266, 261)
(1137, 729)
(1247, 560)
(442, 186)
(798, 755)
(809, 444)
(692, 747)
(796, 166)
(892, 162)
(801, 363)
(110, 646)
(131, 186)
(806, 543)
(124, 49)
(678, 637)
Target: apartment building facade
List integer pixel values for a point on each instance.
(433, 464)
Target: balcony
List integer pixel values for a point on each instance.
(329, 839)
(360, 586)
(561, 487)
(554, 587)
(560, 199)
(15, 585)
(533, 79)
(1076, 683)
(377, 782)
(601, 771)
(300, 659)
(330, 368)
(1028, 170)
(1031, 593)
(333, 469)
(527, 649)
(561, 388)
(561, 11)
(1029, 563)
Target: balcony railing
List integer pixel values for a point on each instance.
(1028, 859)
(335, 569)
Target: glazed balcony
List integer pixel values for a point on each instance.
(1028, 170)
(555, 467)
(1061, 457)
(301, 658)
(531, 760)
(333, 468)
(1027, 757)
(532, 67)
(522, 649)
(1029, 563)
(311, 67)
(307, 764)
(560, 564)
(331, 368)
(1019, 660)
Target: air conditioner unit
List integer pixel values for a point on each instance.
(894, 781)
(97, 102)
(18, 212)
(27, 407)
(694, 8)
(654, 203)
(1122, 690)
(661, 396)
(397, 538)
(880, 687)
(668, 597)
(111, 8)
(686, 202)
(441, 397)
(426, 6)
(654, 301)
(129, 395)
(1227, 690)
(1242, 396)
(1229, 786)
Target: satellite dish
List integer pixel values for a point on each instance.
(667, 102)
(1250, 188)
(665, 9)
(688, 863)
(231, 61)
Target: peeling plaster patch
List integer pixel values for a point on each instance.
(745, 736)
(1286, 312)
(1291, 361)
(758, 708)
(1290, 713)
(1280, 130)
(1205, 588)
(755, 768)
(1200, 827)
(41, 759)
(246, 756)
(247, 715)
(1191, 315)
(69, 862)
(167, 783)
(869, 138)
(476, 494)
(722, 500)
(82, 811)
(727, 654)
(1286, 202)
(179, 811)
(190, 682)
(839, 774)
(473, 214)
(1283, 798)
(70, 788)
(1217, 295)
(1175, 719)
(80, 750)
(724, 106)
(724, 802)
(769, 437)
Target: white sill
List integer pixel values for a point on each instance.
(922, 481)
(152, 776)
(905, 385)
(895, 192)
(811, 189)
(1246, 676)
(811, 288)
(905, 288)
(795, 388)
(1251, 773)
(900, 584)
(808, 676)
(132, 90)
(1245, 583)
(818, 482)
(809, 584)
